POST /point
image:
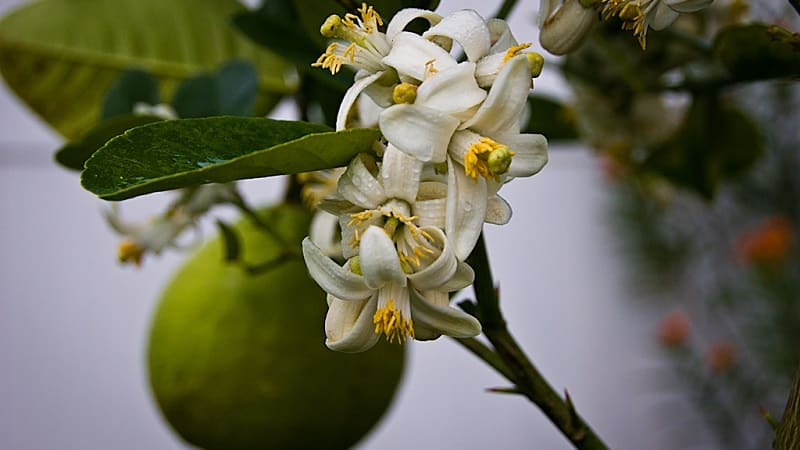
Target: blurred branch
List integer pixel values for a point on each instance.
(796, 5)
(788, 434)
(521, 370)
(507, 6)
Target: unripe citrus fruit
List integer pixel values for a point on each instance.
(238, 361)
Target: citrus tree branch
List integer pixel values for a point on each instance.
(517, 366)
(788, 433)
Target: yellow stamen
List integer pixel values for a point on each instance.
(329, 59)
(129, 251)
(478, 156)
(391, 322)
(631, 14)
(429, 68)
(515, 50)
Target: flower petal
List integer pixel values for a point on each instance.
(404, 17)
(443, 319)
(662, 17)
(359, 186)
(411, 54)
(350, 98)
(466, 210)
(379, 262)
(324, 232)
(687, 6)
(500, 35)
(423, 332)
(419, 131)
(530, 153)
(331, 277)
(348, 325)
(467, 28)
(452, 90)
(501, 110)
(498, 211)
(400, 174)
(463, 277)
(441, 269)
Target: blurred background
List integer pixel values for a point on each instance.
(664, 314)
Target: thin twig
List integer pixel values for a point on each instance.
(505, 9)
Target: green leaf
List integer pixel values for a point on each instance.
(178, 153)
(715, 143)
(757, 52)
(551, 119)
(237, 83)
(132, 87)
(61, 56)
(231, 241)
(197, 97)
(74, 154)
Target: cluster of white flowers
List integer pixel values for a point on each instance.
(412, 212)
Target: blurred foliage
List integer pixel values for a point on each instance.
(60, 60)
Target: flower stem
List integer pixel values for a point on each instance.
(508, 5)
(788, 433)
(516, 365)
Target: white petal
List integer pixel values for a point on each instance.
(500, 35)
(488, 68)
(431, 213)
(530, 153)
(452, 90)
(406, 16)
(324, 232)
(443, 319)
(460, 143)
(440, 270)
(562, 31)
(422, 332)
(463, 277)
(348, 325)
(350, 98)
(411, 52)
(503, 106)
(498, 211)
(466, 210)
(400, 174)
(687, 6)
(379, 262)
(662, 17)
(331, 277)
(467, 28)
(359, 186)
(421, 132)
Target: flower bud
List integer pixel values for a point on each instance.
(563, 30)
(674, 329)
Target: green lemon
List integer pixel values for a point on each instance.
(238, 361)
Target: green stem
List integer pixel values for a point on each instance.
(485, 353)
(506, 7)
(796, 5)
(788, 433)
(521, 370)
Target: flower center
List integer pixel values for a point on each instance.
(390, 321)
(359, 33)
(632, 14)
(515, 50)
(129, 251)
(488, 159)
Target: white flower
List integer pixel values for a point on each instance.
(375, 294)
(639, 15)
(563, 27)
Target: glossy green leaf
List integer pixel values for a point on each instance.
(179, 153)
(757, 51)
(550, 118)
(74, 154)
(715, 143)
(132, 87)
(61, 56)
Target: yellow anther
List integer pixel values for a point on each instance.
(429, 68)
(476, 160)
(630, 12)
(536, 61)
(129, 251)
(391, 322)
(404, 264)
(515, 50)
(329, 59)
(404, 93)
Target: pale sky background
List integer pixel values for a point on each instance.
(73, 323)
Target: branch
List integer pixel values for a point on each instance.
(788, 433)
(521, 370)
(507, 6)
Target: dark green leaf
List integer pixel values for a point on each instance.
(74, 154)
(132, 87)
(757, 51)
(237, 84)
(551, 119)
(61, 56)
(714, 143)
(198, 96)
(178, 153)
(231, 241)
